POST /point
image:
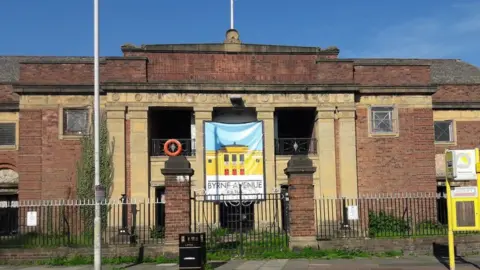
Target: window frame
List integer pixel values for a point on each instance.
(452, 133)
(11, 118)
(394, 121)
(15, 135)
(61, 122)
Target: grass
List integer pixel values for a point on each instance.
(307, 253)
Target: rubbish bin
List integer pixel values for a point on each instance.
(192, 251)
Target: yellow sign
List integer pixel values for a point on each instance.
(462, 201)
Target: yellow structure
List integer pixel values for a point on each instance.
(234, 160)
(462, 201)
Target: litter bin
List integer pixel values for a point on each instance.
(192, 251)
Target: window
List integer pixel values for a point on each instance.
(242, 158)
(75, 121)
(234, 159)
(443, 131)
(8, 134)
(382, 119)
(225, 158)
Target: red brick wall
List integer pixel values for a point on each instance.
(30, 155)
(6, 93)
(392, 75)
(82, 73)
(8, 159)
(302, 208)
(46, 164)
(397, 164)
(467, 136)
(451, 93)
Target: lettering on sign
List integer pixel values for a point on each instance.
(464, 192)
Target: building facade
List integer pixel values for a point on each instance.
(370, 126)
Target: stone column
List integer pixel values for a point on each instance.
(347, 153)
(116, 130)
(201, 114)
(266, 115)
(300, 172)
(325, 133)
(178, 173)
(139, 161)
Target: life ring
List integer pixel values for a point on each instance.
(170, 153)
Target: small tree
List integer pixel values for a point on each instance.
(86, 173)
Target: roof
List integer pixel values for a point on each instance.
(443, 71)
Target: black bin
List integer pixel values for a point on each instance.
(192, 251)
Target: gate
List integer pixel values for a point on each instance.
(241, 224)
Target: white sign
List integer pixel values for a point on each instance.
(228, 190)
(32, 219)
(464, 192)
(352, 212)
(463, 164)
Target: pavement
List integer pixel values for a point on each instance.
(421, 263)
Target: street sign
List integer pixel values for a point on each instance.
(460, 165)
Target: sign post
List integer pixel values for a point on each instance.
(461, 166)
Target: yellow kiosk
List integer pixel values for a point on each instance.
(462, 198)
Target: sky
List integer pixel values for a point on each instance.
(248, 134)
(368, 28)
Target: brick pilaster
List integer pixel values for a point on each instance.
(300, 171)
(177, 173)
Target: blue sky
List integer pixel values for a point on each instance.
(373, 28)
(218, 135)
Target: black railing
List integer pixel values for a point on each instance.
(188, 147)
(238, 224)
(70, 224)
(383, 216)
(295, 146)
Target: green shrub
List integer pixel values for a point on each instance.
(383, 224)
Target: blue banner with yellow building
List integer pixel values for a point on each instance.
(233, 157)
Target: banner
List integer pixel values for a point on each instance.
(233, 157)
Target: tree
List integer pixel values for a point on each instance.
(86, 173)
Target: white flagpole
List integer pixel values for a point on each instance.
(96, 107)
(231, 15)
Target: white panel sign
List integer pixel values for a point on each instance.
(32, 219)
(464, 165)
(352, 212)
(464, 192)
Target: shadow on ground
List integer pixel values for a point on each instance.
(440, 251)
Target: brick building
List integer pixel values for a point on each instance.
(369, 125)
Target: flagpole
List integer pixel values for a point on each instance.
(96, 107)
(231, 15)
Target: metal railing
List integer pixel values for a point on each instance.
(388, 216)
(157, 147)
(70, 224)
(295, 146)
(240, 224)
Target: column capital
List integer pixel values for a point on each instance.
(137, 113)
(265, 109)
(203, 109)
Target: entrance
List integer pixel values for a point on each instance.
(160, 209)
(8, 214)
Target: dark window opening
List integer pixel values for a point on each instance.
(443, 131)
(285, 208)
(234, 115)
(8, 133)
(75, 121)
(234, 217)
(295, 131)
(171, 123)
(160, 211)
(9, 214)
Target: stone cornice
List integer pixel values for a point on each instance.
(223, 87)
(82, 89)
(399, 90)
(456, 105)
(228, 87)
